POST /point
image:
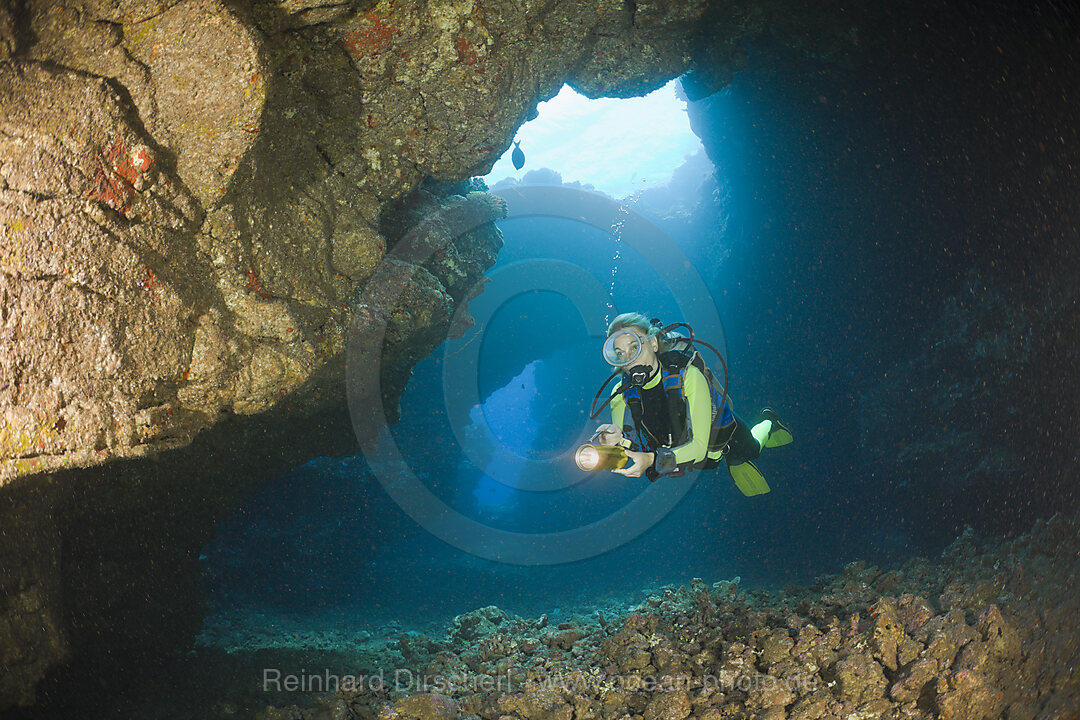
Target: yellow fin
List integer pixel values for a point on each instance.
(748, 479)
(779, 436)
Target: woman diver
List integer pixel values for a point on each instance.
(681, 419)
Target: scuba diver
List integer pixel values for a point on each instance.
(683, 421)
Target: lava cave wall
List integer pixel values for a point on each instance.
(192, 218)
(197, 202)
(903, 251)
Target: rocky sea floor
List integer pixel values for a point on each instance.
(988, 630)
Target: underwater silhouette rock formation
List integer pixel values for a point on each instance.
(191, 198)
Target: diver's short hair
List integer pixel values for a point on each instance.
(641, 322)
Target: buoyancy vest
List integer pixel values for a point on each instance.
(660, 413)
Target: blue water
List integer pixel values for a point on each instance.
(328, 535)
(831, 224)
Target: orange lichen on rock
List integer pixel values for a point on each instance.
(116, 173)
(254, 285)
(152, 285)
(465, 53)
(373, 35)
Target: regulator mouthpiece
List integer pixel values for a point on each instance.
(600, 457)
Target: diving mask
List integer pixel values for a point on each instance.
(623, 348)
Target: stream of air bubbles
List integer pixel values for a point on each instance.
(622, 215)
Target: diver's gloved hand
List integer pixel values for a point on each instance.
(642, 462)
(608, 434)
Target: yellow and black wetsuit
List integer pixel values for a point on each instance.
(687, 430)
(688, 425)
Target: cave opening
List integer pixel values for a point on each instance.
(830, 238)
(617, 146)
(536, 371)
(884, 220)
(813, 222)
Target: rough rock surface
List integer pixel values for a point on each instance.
(195, 198)
(8, 42)
(986, 631)
(273, 133)
(100, 280)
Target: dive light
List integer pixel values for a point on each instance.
(600, 457)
